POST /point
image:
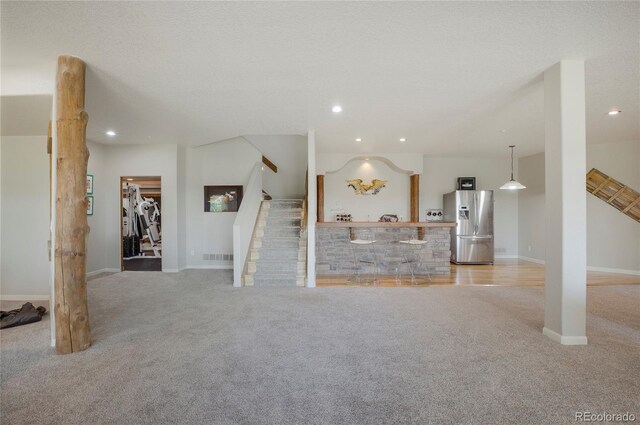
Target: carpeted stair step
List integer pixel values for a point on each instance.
(283, 231)
(283, 207)
(284, 214)
(285, 211)
(283, 222)
(276, 256)
(278, 210)
(290, 203)
(274, 280)
(279, 254)
(276, 266)
(279, 242)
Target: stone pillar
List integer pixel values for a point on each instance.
(565, 203)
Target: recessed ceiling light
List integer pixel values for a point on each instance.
(503, 131)
(403, 139)
(616, 112)
(358, 140)
(111, 133)
(336, 108)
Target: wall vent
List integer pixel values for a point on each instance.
(221, 258)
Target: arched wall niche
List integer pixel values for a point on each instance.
(384, 160)
(339, 198)
(402, 163)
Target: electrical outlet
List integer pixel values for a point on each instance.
(529, 248)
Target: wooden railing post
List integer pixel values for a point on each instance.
(414, 207)
(320, 183)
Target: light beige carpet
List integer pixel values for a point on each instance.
(187, 348)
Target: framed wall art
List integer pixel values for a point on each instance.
(90, 205)
(89, 184)
(222, 198)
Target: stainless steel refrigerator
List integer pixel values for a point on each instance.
(472, 238)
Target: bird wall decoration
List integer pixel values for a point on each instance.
(362, 188)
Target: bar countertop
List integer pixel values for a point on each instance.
(386, 224)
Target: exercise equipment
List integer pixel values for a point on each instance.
(141, 232)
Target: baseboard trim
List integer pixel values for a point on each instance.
(95, 272)
(531, 260)
(506, 257)
(564, 339)
(24, 297)
(616, 271)
(589, 268)
(220, 267)
(170, 270)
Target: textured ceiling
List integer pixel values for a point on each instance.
(453, 78)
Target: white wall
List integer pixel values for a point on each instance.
(182, 207)
(1, 215)
(224, 163)
(24, 207)
(531, 218)
(24, 218)
(392, 199)
(440, 176)
(139, 160)
(607, 227)
(289, 154)
(97, 252)
(613, 239)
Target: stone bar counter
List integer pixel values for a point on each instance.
(334, 252)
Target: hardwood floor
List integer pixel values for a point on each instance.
(502, 273)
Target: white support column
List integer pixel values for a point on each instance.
(312, 209)
(565, 203)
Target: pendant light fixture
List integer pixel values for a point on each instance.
(512, 184)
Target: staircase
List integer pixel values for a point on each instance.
(278, 252)
(614, 193)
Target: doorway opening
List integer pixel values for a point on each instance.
(140, 223)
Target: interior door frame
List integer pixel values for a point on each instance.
(121, 218)
(124, 179)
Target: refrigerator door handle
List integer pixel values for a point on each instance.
(476, 213)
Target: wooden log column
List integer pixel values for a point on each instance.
(320, 184)
(70, 282)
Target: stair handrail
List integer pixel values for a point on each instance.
(618, 195)
(245, 222)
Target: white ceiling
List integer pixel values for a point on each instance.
(448, 76)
